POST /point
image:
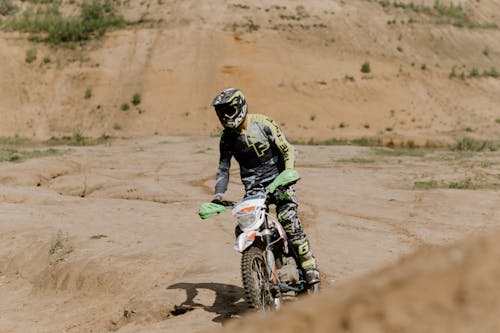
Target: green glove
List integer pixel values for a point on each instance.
(209, 209)
(287, 176)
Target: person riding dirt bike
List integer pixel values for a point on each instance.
(262, 152)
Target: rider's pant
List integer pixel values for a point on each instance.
(286, 209)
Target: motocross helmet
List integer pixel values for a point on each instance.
(231, 107)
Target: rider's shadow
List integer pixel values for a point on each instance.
(229, 300)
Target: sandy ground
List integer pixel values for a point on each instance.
(107, 237)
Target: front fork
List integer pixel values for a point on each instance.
(272, 270)
(246, 239)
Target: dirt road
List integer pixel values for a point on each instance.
(107, 237)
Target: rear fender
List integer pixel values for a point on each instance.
(244, 240)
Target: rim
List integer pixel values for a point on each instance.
(261, 284)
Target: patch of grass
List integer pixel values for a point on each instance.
(125, 107)
(470, 144)
(426, 185)
(473, 72)
(13, 140)
(136, 99)
(328, 142)
(366, 68)
(491, 73)
(88, 93)
(441, 13)
(59, 247)
(7, 8)
(249, 26)
(46, 23)
(464, 184)
(99, 236)
(357, 160)
(401, 152)
(77, 139)
(20, 155)
(364, 142)
(30, 55)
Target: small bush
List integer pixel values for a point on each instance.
(125, 107)
(491, 73)
(60, 247)
(365, 68)
(474, 72)
(136, 99)
(30, 55)
(88, 93)
(7, 7)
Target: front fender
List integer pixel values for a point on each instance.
(244, 240)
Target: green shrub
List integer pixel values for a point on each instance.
(88, 93)
(94, 19)
(30, 55)
(474, 72)
(7, 7)
(365, 68)
(136, 99)
(469, 144)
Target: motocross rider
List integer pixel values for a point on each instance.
(262, 152)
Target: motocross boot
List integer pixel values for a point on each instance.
(307, 261)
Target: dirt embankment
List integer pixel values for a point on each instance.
(450, 289)
(323, 70)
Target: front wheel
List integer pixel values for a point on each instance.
(314, 289)
(259, 290)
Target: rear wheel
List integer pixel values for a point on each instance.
(259, 291)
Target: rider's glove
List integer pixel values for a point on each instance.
(217, 199)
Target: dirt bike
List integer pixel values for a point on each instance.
(270, 266)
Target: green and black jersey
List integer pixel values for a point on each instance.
(261, 150)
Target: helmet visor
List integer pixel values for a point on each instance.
(226, 112)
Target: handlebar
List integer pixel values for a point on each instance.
(225, 203)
